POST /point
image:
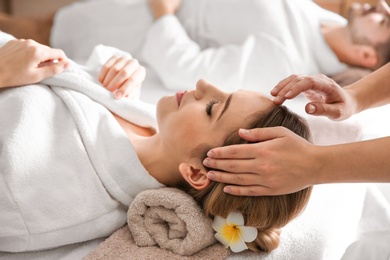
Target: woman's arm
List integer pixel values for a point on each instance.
(26, 61)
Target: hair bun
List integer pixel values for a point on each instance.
(266, 241)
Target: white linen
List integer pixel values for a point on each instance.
(322, 232)
(253, 48)
(373, 238)
(325, 229)
(79, 27)
(309, 234)
(68, 170)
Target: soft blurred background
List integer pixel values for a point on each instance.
(33, 7)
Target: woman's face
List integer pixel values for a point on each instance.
(204, 116)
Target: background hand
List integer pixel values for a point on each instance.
(122, 76)
(163, 7)
(326, 96)
(26, 61)
(277, 163)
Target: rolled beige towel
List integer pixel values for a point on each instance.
(171, 219)
(120, 245)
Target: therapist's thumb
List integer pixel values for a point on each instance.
(322, 109)
(262, 134)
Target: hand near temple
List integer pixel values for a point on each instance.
(326, 97)
(122, 76)
(26, 61)
(163, 7)
(277, 163)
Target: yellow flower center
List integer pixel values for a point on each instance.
(231, 233)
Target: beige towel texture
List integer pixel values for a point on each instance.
(171, 219)
(120, 245)
(163, 223)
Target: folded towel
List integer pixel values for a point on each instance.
(171, 219)
(120, 245)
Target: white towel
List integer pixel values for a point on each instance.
(67, 168)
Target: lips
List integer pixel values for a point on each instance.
(179, 97)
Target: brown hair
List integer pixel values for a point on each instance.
(267, 213)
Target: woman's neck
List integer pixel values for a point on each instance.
(339, 40)
(150, 151)
(133, 130)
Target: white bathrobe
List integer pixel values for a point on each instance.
(68, 172)
(250, 44)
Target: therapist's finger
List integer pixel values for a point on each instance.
(242, 179)
(289, 91)
(282, 84)
(249, 190)
(244, 151)
(263, 134)
(228, 165)
(332, 111)
(298, 85)
(237, 151)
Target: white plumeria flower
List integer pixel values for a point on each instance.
(232, 233)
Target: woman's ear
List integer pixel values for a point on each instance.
(195, 176)
(367, 56)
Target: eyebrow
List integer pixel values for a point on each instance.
(227, 103)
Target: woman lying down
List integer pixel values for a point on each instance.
(73, 157)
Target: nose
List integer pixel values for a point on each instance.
(202, 87)
(206, 89)
(383, 7)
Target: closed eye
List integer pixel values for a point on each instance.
(209, 106)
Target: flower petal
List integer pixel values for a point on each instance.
(223, 239)
(235, 218)
(238, 245)
(218, 223)
(248, 234)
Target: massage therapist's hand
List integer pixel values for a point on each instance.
(326, 96)
(163, 7)
(279, 162)
(26, 61)
(122, 76)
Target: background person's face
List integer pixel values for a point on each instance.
(370, 24)
(204, 116)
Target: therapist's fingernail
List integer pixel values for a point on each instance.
(227, 190)
(311, 109)
(288, 94)
(206, 162)
(277, 99)
(210, 153)
(211, 176)
(244, 131)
